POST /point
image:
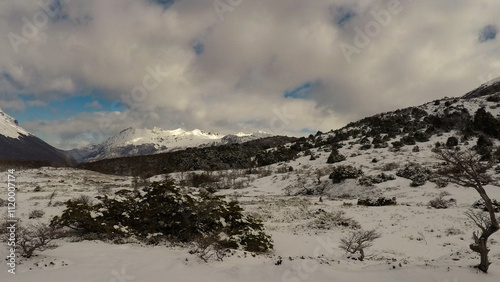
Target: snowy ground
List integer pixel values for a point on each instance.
(416, 244)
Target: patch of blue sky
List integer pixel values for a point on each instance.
(55, 10)
(489, 32)
(308, 131)
(165, 3)
(342, 15)
(198, 47)
(67, 108)
(301, 92)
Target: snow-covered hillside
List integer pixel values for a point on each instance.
(18, 144)
(418, 243)
(302, 206)
(135, 142)
(9, 127)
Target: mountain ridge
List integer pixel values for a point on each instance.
(17, 144)
(488, 88)
(467, 117)
(136, 142)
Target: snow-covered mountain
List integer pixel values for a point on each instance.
(424, 228)
(491, 87)
(136, 142)
(18, 144)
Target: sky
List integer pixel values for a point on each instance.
(76, 72)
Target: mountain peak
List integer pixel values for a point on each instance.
(488, 88)
(177, 131)
(18, 144)
(493, 81)
(132, 142)
(9, 127)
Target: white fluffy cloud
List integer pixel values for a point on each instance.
(207, 64)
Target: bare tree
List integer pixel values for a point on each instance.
(209, 246)
(465, 168)
(36, 237)
(319, 173)
(358, 240)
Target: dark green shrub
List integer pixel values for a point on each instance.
(487, 123)
(365, 147)
(200, 180)
(397, 145)
(484, 147)
(408, 140)
(377, 139)
(381, 145)
(439, 202)
(452, 142)
(377, 202)
(364, 141)
(493, 98)
(330, 220)
(335, 156)
(280, 154)
(418, 113)
(164, 210)
(416, 173)
(371, 180)
(418, 180)
(342, 172)
(421, 136)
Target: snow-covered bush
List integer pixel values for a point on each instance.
(439, 202)
(390, 166)
(335, 156)
(377, 202)
(371, 180)
(329, 220)
(209, 247)
(32, 237)
(343, 172)
(421, 136)
(416, 173)
(34, 214)
(358, 240)
(397, 145)
(418, 179)
(166, 211)
(479, 204)
(440, 183)
(408, 140)
(453, 231)
(365, 147)
(452, 141)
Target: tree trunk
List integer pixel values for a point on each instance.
(361, 255)
(480, 245)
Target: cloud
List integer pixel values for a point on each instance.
(14, 105)
(93, 105)
(176, 63)
(36, 103)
